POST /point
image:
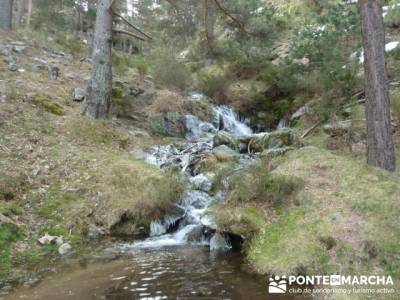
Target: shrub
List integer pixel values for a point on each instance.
(169, 71)
(212, 82)
(257, 183)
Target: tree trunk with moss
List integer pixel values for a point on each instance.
(379, 130)
(20, 12)
(98, 101)
(6, 14)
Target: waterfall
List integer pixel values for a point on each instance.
(191, 221)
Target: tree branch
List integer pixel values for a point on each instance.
(236, 20)
(131, 25)
(110, 7)
(129, 33)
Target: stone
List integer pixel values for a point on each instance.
(271, 153)
(202, 182)
(13, 67)
(64, 249)
(224, 153)
(195, 235)
(49, 239)
(277, 139)
(220, 243)
(337, 129)
(6, 220)
(225, 138)
(169, 124)
(94, 232)
(19, 47)
(299, 113)
(79, 95)
(5, 50)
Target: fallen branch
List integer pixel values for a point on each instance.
(128, 33)
(131, 25)
(308, 131)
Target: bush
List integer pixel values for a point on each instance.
(169, 71)
(258, 184)
(212, 82)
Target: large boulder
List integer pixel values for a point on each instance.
(271, 153)
(224, 153)
(227, 139)
(220, 243)
(169, 124)
(274, 140)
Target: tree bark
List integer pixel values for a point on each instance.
(28, 19)
(210, 18)
(380, 145)
(6, 14)
(20, 12)
(98, 101)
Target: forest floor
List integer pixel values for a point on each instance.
(64, 175)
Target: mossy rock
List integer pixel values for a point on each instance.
(49, 105)
(274, 140)
(224, 138)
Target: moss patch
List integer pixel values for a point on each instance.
(48, 105)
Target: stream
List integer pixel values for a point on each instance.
(184, 257)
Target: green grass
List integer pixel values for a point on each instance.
(345, 219)
(9, 233)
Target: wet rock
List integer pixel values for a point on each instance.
(224, 138)
(157, 228)
(337, 129)
(64, 249)
(276, 139)
(224, 153)
(79, 95)
(271, 153)
(220, 243)
(95, 232)
(169, 124)
(202, 182)
(195, 235)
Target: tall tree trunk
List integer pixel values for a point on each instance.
(210, 18)
(28, 18)
(20, 12)
(379, 130)
(6, 14)
(98, 100)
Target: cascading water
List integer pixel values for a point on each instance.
(191, 221)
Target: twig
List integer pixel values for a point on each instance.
(5, 149)
(236, 20)
(129, 33)
(308, 131)
(131, 25)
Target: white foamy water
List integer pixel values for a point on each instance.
(190, 220)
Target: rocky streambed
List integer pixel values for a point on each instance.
(185, 255)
